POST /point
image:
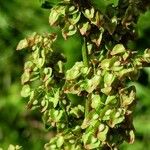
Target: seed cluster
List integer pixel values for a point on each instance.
(100, 117)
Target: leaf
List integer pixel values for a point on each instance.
(22, 44)
(75, 18)
(25, 92)
(25, 77)
(84, 28)
(116, 117)
(111, 100)
(127, 96)
(28, 65)
(40, 62)
(89, 13)
(87, 121)
(77, 111)
(118, 49)
(72, 10)
(55, 99)
(86, 137)
(109, 79)
(93, 145)
(74, 72)
(107, 64)
(68, 30)
(102, 135)
(111, 24)
(98, 20)
(146, 56)
(55, 14)
(97, 38)
(106, 90)
(60, 141)
(131, 136)
(90, 85)
(12, 147)
(56, 115)
(101, 127)
(96, 101)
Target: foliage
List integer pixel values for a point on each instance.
(17, 124)
(20, 126)
(100, 117)
(12, 147)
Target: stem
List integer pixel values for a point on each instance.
(87, 106)
(84, 53)
(86, 64)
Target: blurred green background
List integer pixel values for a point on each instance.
(21, 126)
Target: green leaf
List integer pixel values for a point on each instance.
(55, 99)
(84, 28)
(89, 13)
(25, 77)
(22, 44)
(60, 141)
(28, 65)
(56, 115)
(116, 118)
(86, 137)
(107, 64)
(109, 79)
(127, 96)
(131, 137)
(102, 135)
(40, 62)
(77, 111)
(96, 101)
(101, 127)
(97, 37)
(68, 30)
(106, 90)
(25, 92)
(146, 56)
(87, 121)
(125, 72)
(12, 147)
(55, 14)
(75, 18)
(90, 85)
(118, 49)
(111, 100)
(74, 72)
(111, 24)
(93, 145)
(98, 19)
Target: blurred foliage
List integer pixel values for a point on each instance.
(17, 19)
(142, 111)
(17, 124)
